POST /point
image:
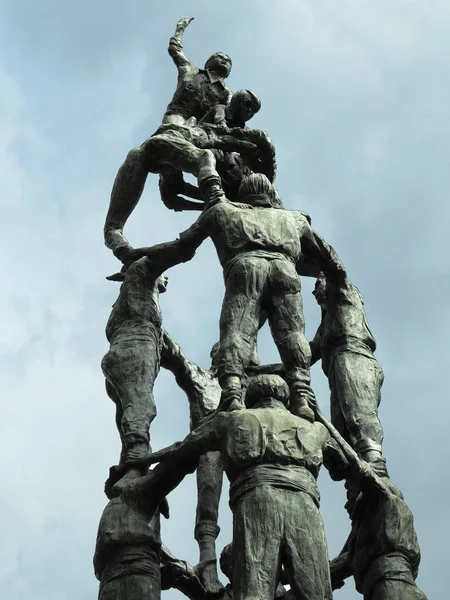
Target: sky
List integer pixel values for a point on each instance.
(355, 96)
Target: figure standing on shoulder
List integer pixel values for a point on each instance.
(382, 552)
(198, 90)
(259, 246)
(346, 345)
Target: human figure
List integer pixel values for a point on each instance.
(186, 149)
(131, 365)
(127, 553)
(382, 552)
(242, 106)
(258, 247)
(198, 90)
(223, 119)
(203, 391)
(346, 345)
(272, 459)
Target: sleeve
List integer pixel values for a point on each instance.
(314, 345)
(191, 238)
(173, 359)
(317, 254)
(175, 50)
(216, 115)
(334, 461)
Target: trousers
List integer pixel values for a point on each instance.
(130, 368)
(277, 527)
(255, 284)
(355, 383)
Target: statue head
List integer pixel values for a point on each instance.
(162, 282)
(226, 561)
(263, 387)
(232, 169)
(320, 290)
(256, 189)
(244, 104)
(219, 63)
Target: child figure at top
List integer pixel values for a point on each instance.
(198, 90)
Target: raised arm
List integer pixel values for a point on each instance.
(176, 46)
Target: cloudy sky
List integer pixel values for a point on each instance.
(355, 96)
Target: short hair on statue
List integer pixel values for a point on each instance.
(266, 386)
(255, 184)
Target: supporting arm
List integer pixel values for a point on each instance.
(177, 461)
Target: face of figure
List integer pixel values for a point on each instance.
(162, 283)
(244, 108)
(219, 63)
(231, 171)
(320, 291)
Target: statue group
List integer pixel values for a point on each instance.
(260, 424)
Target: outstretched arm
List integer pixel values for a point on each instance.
(176, 462)
(317, 254)
(174, 360)
(176, 46)
(166, 255)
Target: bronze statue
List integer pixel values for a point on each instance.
(346, 345)
(382, 552)
(272, 459)
(259, 247)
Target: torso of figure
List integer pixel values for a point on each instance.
(238, 228)
(197, 92)
(382, 527)
(272, 436)
(138, 303)
(344, 323)
(121, 526)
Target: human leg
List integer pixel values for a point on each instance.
(171, 184)
(171, 148)
(287, 324)
(131, 367)
(304, 548)
(131, 587)
(395, 589)
(239, 320)
(358, 381)
(128, 184)
(209, 488)
(258, 525)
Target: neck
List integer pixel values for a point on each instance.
(216, 74)
(257, 200)
(269, 403)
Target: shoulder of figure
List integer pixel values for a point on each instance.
(302, 217)
(322, 431)
(141, 267)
